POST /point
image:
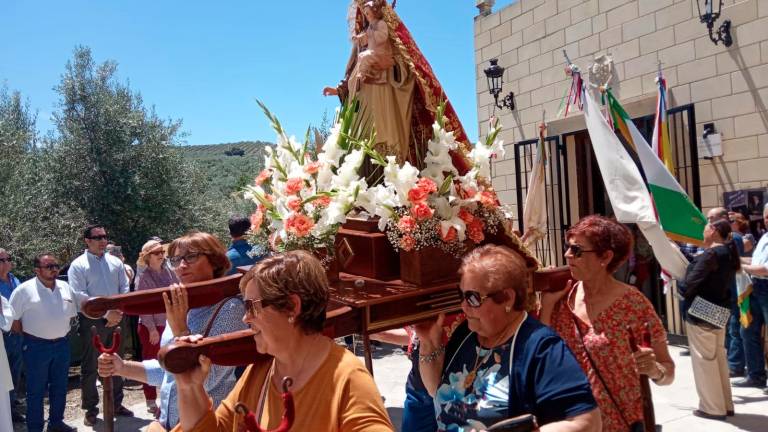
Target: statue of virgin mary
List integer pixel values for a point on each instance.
(399, 96)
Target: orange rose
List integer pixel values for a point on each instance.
(257, 218)
(427, 184)
(475, 230)
(487, 199)
(417, 194)
(312, 167)
(466, 216)
(263, 176)
(294, 204)
(323, 201)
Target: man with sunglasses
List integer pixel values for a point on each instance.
(42, 309)
(96, 273)
(12, 341)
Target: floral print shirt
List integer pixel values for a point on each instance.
(479, 388)
(608, 343)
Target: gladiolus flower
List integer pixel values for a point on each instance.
(407, 243)
(294, 186)
(406, 224)
(421, 211)
(298, 224)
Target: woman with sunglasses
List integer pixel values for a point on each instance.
(286, 297)
(195, 257)
(502, 363)
(598, 316)
(156, 275)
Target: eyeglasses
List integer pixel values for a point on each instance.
(98, 238)
(56, 267)
(255, 306)
(189, 258)
(6, 260)
(475, 299)
(576, 250)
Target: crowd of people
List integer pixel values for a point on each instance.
(576, 361)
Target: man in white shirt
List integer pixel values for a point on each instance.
(96, 274)
(42, 310)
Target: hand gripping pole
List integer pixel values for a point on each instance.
(108, 400)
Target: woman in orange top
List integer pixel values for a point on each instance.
(286, 297)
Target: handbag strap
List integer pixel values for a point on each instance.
(215, 314)
(597, 371)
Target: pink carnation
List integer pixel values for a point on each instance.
(417, 194)
(298, 224)
(323, 201)
(312, 167)
(466, 216)
(294, 204)
(421, 211)
(407, 243)
(487, 199)
(475, 230)
(263, 176)
(449, 236)
(256, 219)
(427, 184)
(294, 186)
(406, 224)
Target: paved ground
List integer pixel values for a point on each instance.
(674, 403)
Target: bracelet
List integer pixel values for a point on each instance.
(429, 358)
(661, 369)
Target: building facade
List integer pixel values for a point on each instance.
(724, 88)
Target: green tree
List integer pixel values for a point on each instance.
(31, 221)
(117, 160)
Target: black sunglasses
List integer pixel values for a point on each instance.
(50, 267)
(189, 258)
(101, 237)
(6, 260)
(252, 308)
(576, 250)
(475, 299)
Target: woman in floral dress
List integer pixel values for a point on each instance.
(501, 363)
(598, 316)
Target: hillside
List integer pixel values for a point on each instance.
(228, 166)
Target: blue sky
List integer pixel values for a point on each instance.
(205, 62)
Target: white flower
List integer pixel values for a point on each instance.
(402, 179)
(348, 171)
(379, 201)
(448, 210)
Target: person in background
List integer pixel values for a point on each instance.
(42, 309)
(151, 326)
(117, 251)
(757, 268)
(96, 273)
(195, 257)
(740, 225)
(6, 383)
(239, 251)
(598, 315)
(140, 267)
(709, 277)
(12, 341)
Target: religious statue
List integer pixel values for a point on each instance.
(394, 85)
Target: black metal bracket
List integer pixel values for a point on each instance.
(723, 33)
(507, 102)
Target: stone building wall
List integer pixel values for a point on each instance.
(729, 86)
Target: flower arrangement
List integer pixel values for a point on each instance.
(436, 206)
(303, 195)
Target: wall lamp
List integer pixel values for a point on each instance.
(709, 17)
(495, 75)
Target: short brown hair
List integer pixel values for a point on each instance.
(605, 235)
(502, 268)
(293, 273)
(207, 244)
